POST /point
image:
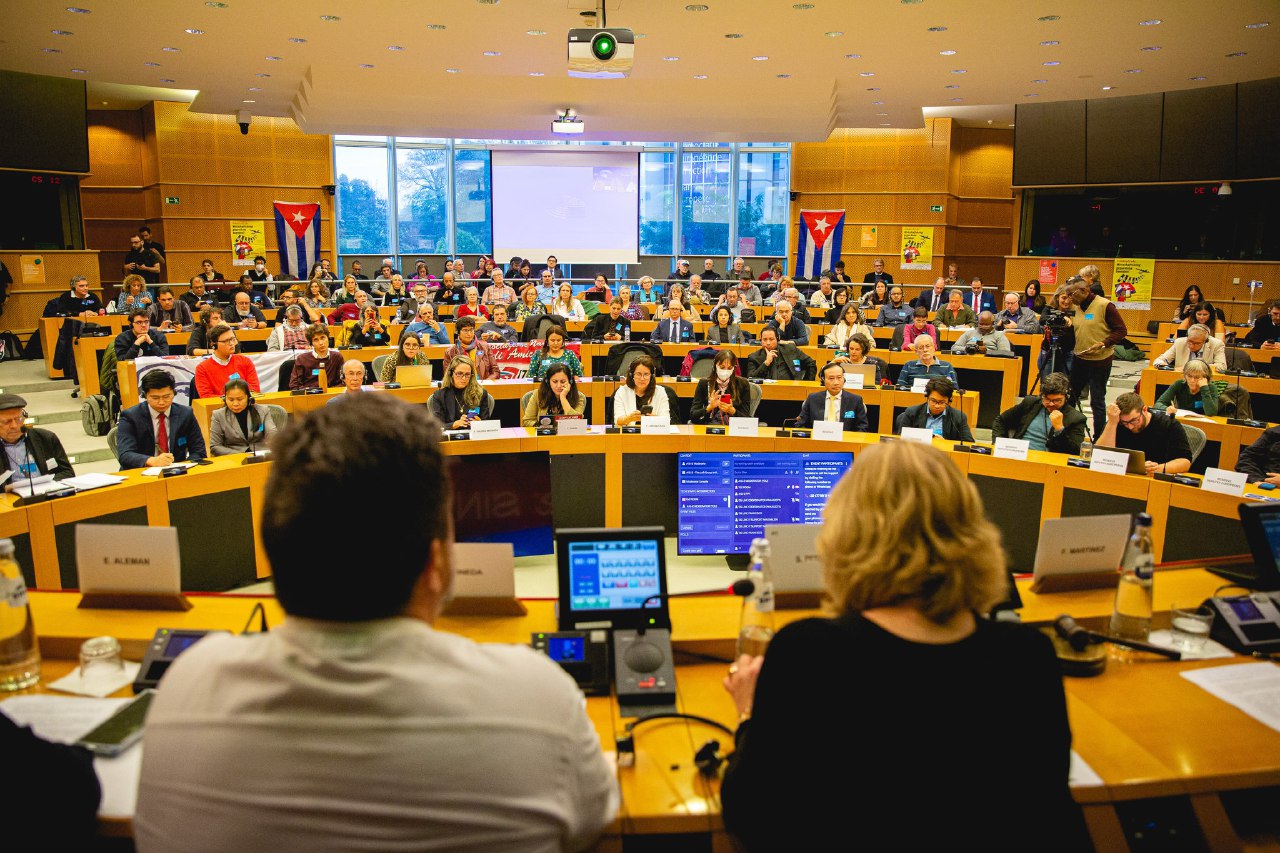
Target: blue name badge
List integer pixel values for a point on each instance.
(1088, 316)
(182, 441)
(233, 376)
(848, 415)
(685, 334)
(315, 372)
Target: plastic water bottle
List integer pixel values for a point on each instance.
(1131, 618)
(19, 654)
(626, 332)
(1086, 447)
(756, 628)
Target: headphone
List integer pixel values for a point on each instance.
(822, 374)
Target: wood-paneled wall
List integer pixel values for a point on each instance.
(27, 299)
(141, 158)
(891, 179)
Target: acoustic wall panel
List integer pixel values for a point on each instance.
(1258, 129)
(1049, 144)
(1199, 135)
(1122, 139)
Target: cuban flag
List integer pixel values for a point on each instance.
(298, 236)
(818, 247)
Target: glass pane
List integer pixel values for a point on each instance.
(364, 214)
(704, 203)
(379, 139)
(422, 198)
(657, 202)
(762, 203)
(471, 202)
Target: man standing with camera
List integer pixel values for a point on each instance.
(1098, 328)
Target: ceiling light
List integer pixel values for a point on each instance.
(853, 56)
(946, 53)
(802, 7)
(535, 32)
(78, 11)
(761, 58)
(275, 58)
(937, 29)
(437, 27)
(1031, 95)
(874, 89)
(167, 80)
(1012, 125)
(248, 102)
(192, 31)
(78, 71)
(1051, 63)
(1236, 54)
(670, 59)
(885, 123)
(152, 64)
(641, 35)
(866, 73)
(955, 99)
(492, 53)
(1039, 81)
(834, 33)
(696, 7)
(910, 2)
(1258, 25)
(49, 50)
(453, 71)
(1224, 188)
(330, 19)
(298, 40)
(1152, 48)
(62, 32)
(365, 65)
(262, 74)
(214, 4)
(536, 74)
(1048, 43)
(1197, 78)
(1048, 17)
(699, 77)
(1107, 88)
(883, 114)
(877, 103)
(783, 76)
(959, 71)
(171, 49)
(733, 35)
(395, 47)
(1150, 23)
(952, 86)
(1133, 71)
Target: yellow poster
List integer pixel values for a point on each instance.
(870, 236)
(248, 240)
(32, 269)
(917, 248)
(1131, 283)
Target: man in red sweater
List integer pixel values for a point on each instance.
(223, 365)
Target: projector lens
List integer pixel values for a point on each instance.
(603, 47)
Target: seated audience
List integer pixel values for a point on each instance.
(198, 342)
(408, 354)
(648, 291)
(242, 425)
(158, 432)
(641, 391)
(499, 292)
(243, 315)
(724, 329)
(353, 310)
(919, 325)
(1195, 391)
(347, 293)
(787, 325)
(1031, 297)
(1266, 327)
(396, 293)
(29, 451)
(677, 293)
(748, 292)
(722, 395)
(352, 381)
(1206, 315)
(554, 352)
(824, 298)
(608, 325)
(936, 413)
(926, 363)
(984, 339)
(599, 289)
(357, 725)
(1261, 460)
(369, 332)
(906, 630)
(138, 339)
(1015, 318)
(209, 274)
(317, 295)
(460, 399)
(955, 312)
(470, 347)
(318, 361)
(856, 351)
(408, 307)
(556, 396)
(631, 309)
(498, 330)
(224, 364)
(1161, 438)
(834, 403)
(432, 331)
(1043, 420)
(674, 329)
(528, 307)
(839, 299)
(779, 360)
(199, 295)
(1196, 344)
(290, 333)
(878, 295)
(77, 302)
(256, 297)
(850, 323)
(471, 306)
(895, 312)
(134, 294)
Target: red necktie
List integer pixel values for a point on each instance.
(162, 435)
(977, 300)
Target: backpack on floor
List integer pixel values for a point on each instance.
(95, 415)
(10, 346)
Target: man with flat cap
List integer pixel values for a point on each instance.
(29, 451)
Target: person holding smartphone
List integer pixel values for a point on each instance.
(641, 395)
(723, 395)
(460, 399)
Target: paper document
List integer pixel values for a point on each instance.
(26, 487)
(155, 472)
(1081, 774)
(1252, 687)
(84, 482)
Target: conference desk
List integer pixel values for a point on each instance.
(1146, 731)
(51, 326)
(88, 352)
(1264, 392)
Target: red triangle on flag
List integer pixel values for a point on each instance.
(298, 216)
(820, 224)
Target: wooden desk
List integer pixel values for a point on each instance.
(1264, 392)
(51, 326)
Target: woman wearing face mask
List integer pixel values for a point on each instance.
(723, 395)
(641, 391)
(238, 426)
(460, 399)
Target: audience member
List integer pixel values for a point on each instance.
(1196, 344)
(1098, 328)
(895, 312)
(133, 294)
(241, 426)
(243, 315)
(1206, 315)
(347, 293)
(554, 352)
(168, 313)
(1161, 438)
(878, 295)
(224, 364)
(199, 295)
(876, 275)
(140, 260)
(630, 309)
(557, 396)
(468, 346)
(529, 306)
(158, 432)
(208, 273)
(460, 399)
(352, 381)
(408, 354)
(369, 332)
(648, 293)
(498, 330)
(1195, 391)
(979, 300)
(926, 363)
(936, 413)
(547, 289)
(779, 360)
(1261, 460)
(1043, 420)
(850, 324)
(395, 294)
(318, 361)
(857, 349)
(787, 326)
(824, 298)
(608, 325)
(674, 329)
(566, 306)
(934, 299)
(498, 292)
(724, 329)
(138, 339)
(640, 392)
(722, 395)
(198, 342)
(1015, 318)
(918, 326)
(1031, 297)
(433, 332)
(955, 313)
(982, 340)
(29, 451)
(1266, 327)
(834, 403)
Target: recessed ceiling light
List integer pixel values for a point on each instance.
(937, 29)
(877, 103)
(487, 2)
(699, 77)
(955, 99)
(104, 103)
(255, 88)
(1051, 63)
(1031, 95)
(298, 40)
(1150, 23)
(641, 35)
(535, 32)
(1236, 54)
(152, 64)
(49, 50)
(1133, 71)
(946, 53)
(1258, 25)
(167, 80)
(192, 31)
(365, 65)
(873, 89)
(1012, 125)
(783, 76)
(330, 19)
(493, 53)
(910, 2)
(1107, 88)
(1049, 43)
(214, 4)
(834, 33)
(1039, 81)
(952, 86)
(171, 49)
(395, 47)
(960, 71)
(248, 102)
(733, 35)
(670, 59)
(802, 7)
(883, 114)
(696, 7)
(1197, 78)
(1152, 48)
(453, 71)
(78, 71)
(275, 58)
(437, 27)
(536, 74)
(1048, 17)
(866, 73)
(853, 56)
(62, 32)
(78, 11)
(885, 123)
(262, 74)
(759, 58)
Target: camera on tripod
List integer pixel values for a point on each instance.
(1056, 320)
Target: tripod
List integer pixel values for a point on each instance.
(1057, 360)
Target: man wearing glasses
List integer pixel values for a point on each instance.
(1132, 426)
(157, 431)
(29, 451)
(138, 339)
(223, 365)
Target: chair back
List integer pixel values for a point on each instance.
(1238, 359)
(753, 399)
(378, 363)
(702, 368)
(1196, 438)
(286, 370)
(278, 415)
(111, 440)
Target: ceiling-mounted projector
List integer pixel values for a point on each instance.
(601, 53)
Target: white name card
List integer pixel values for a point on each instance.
(919, 435)
(655, 424)
(1108, 461)
(1011, 448)
(1226, 482)
(126, 558)
(572, 426)
(481, 430)
(744, 427)
(854, 381)
(917, 387)
(484, 569)
(828, 430)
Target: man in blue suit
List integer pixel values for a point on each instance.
(674, 329)
(834, 403)
(978, 299)
(156, 432)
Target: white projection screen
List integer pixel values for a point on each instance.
(581, 206)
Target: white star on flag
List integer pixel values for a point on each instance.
(297, 216)
(821, 225)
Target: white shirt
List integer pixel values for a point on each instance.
(374, 736)
(624, 403)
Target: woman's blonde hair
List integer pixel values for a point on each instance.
(904, 526)
(131, 279)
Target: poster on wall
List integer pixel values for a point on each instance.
(1048, 274)
(870, 236)
(1131, 283)
(248, 241)
(32, 269)
(917, 248)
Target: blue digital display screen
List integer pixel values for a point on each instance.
(614, 574)
(726, 499)
(567, 649)
(179, 643)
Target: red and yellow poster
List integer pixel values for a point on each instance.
(1131, 283)
(248, 241)
(917, 248)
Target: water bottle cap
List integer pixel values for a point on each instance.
(6, 547)
(1142, 519)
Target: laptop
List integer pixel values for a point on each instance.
(1261, 523)
(794, 564)
(1137, 458)
(868, 372)
(1082, 552)
(414, 375)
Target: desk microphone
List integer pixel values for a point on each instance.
(972, 447)
(253, 458)
(1079, 638)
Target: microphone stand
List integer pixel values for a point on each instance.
(33, 498)
(972, 447)
(253, 458)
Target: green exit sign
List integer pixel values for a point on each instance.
(173, 199)
(933, 208)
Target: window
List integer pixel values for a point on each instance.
(364, 220)
(763, 203)
(422, 200)
(704, 203)
(471, 202)
(657, 202)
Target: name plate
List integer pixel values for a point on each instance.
(572, 426)
(919, 435)
(486, 429)
(744, 427)
(854, 381)
(126, 558)
(917, 386)
(1108, 461)
(1011, 448)
(1226, 482)
(655, 425)
(828, 430)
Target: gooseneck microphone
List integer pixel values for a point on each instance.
(1080, 638)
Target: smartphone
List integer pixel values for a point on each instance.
(121, 730)
(473, 414)
(726, 398)
(646, 410)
